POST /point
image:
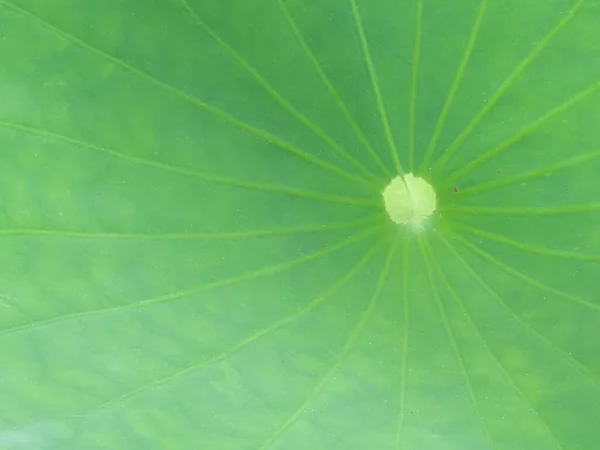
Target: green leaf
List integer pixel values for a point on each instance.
(196, 252)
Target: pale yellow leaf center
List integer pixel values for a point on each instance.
(409, 200)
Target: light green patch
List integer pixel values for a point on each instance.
(409, 200)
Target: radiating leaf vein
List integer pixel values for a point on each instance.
(486, 156)
(341, 358)
(520, 211)
(194, 174)
(215, 111)
(537, 173)
(566, 355)
(249, 276)
(276, 95)
(538, 284)
(376, 89)
(332, 90)
(288, 320)
(467, 314)
(428, 257)
(524, 246)
(412, 108)
(246, 234)
(514, 76)
(403, 372)
(455, 85)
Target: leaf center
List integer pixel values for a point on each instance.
(409, 200)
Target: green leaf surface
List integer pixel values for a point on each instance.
(195, 252)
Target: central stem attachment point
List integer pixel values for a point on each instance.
(409, 200)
